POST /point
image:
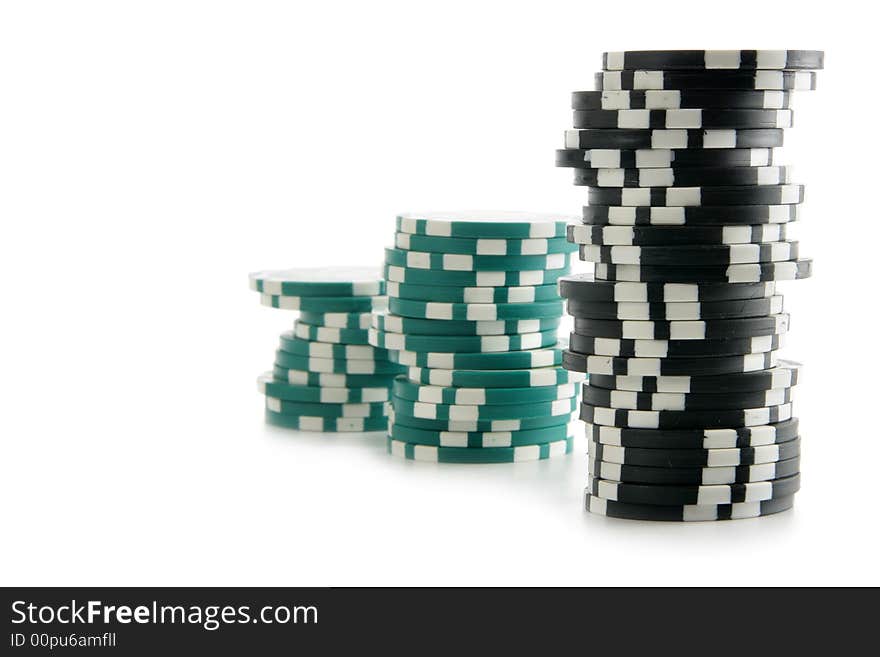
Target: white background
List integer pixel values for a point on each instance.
(153, 153)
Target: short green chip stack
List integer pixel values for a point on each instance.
(326, 376)
(473, 314)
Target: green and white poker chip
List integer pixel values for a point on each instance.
(327, 424)
(320, 282)
(335, 366)
(462, 343)
(488, 455)
(271, 387)
(308, 409)
(325, 304)
(508, 360)
(361, 321)
(329, 334)
(483, 245)
(474, 312)
(502, 224)
(519, 424)
(406, 389)
(473, 278)
(294, 345)
(467, 413)
(479, 439)
(452, 294)
(473, 263)
(300, 377)
(514, 378)
(416, 326)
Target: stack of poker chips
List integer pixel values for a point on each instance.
(326, 376)
(474, 313)
(688, 408)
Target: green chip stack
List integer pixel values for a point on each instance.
(473, 314)
(326, 376)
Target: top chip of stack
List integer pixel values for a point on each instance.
(679, 325)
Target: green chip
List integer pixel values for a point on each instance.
(473, 263)
(335, 366)
(416, 326)
(466, 413)
(306, 409)
(488, 455)
(473, 278)
(299, 377)
(405, 389)
(511, 360)
(328, 424)
(320, 282)
(510, 225)
(329, 334)
(519, 378)
(270, 387)
(299, 347)
(483, 246)
(456, 294)
(359, 321)
(462, 343)
(521, 424)
(478, 439)
(324, 304)
(475, 312)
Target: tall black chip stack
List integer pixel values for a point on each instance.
(688, 408)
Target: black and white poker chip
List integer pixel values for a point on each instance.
(678, 401)
(683, 118)
(714, 60)
(689, 216)
(675, 235)
(669, 99)
(585, 287)
(767, 434)
(663, 158)
(590, 345)
(722, 329)
(716, 79)
(612, 365)
(693, 138)
(691, 196)
(683, 177)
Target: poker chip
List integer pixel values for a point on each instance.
(675, 311)
(504, 224)
(505, 378)
(653, 494)
(676, 401)
(689, 512)
(326, 375)
(726, 329)
(473, 278)
(682, 177)
(693, 476)
(695, 215)
(455, 262)
(670, 99)
(784, 375)
(478, 439)
(442, 293)
(320, 282)
(406, 389)
(587, 345)
(417, 326)
(482, 425)
(635, 138)
(434, 454)
(700, 458)
(471, 412)
(474, 311)
(701, 60)
(586, 287)
(690, 196)
(462, 343)
(767, 434)
(675, 235)
(703, 366)
(760, 272)
(507, 360)
(683, 118)
(746, 417)
(715, 79)
(481, 246)
(663, 158)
